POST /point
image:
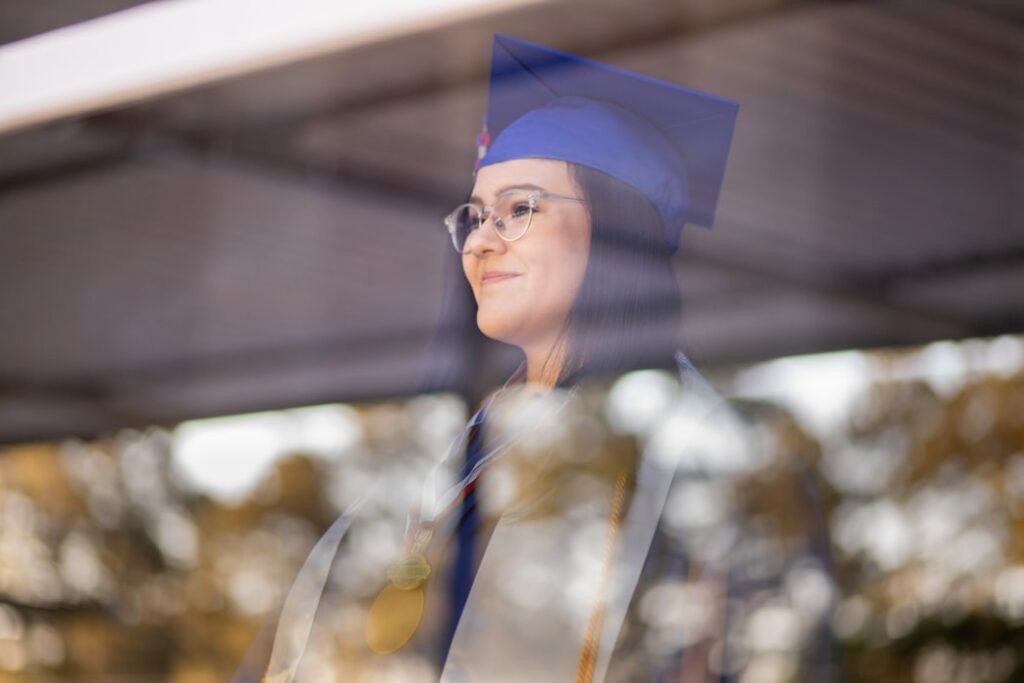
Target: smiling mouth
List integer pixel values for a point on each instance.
(498, 278)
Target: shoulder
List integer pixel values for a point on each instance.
(726, 554)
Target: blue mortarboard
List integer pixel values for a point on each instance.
(668, 141)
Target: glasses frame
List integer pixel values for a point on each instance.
(484, 210)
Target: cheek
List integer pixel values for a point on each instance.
(556, 290)
(569, 267)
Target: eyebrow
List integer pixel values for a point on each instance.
(517, 186)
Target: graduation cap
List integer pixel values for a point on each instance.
(667, 141)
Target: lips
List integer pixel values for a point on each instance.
(496, 276)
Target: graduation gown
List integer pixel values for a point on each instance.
(601, 556)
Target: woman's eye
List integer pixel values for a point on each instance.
(520, 210)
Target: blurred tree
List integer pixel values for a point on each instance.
(113, 568)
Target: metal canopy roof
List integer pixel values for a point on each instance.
(274, 239)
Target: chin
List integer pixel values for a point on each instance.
(496, 327)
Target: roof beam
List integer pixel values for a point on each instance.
(162, 47)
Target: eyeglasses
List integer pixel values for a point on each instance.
(511, 215)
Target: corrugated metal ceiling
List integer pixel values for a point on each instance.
(273, 240)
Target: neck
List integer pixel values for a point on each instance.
(544, 364)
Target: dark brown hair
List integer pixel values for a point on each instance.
(627, 312)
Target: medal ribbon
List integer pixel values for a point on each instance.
(463, 570)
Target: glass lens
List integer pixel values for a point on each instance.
(511, 218)
(514, 212)
(466, 219)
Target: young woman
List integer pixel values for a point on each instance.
(552, 552)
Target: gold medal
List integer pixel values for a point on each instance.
(397, 610)
(410, 572)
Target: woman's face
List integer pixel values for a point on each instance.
(546, 265)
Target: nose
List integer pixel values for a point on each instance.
(484, 239)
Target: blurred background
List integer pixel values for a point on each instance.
(222, 302)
